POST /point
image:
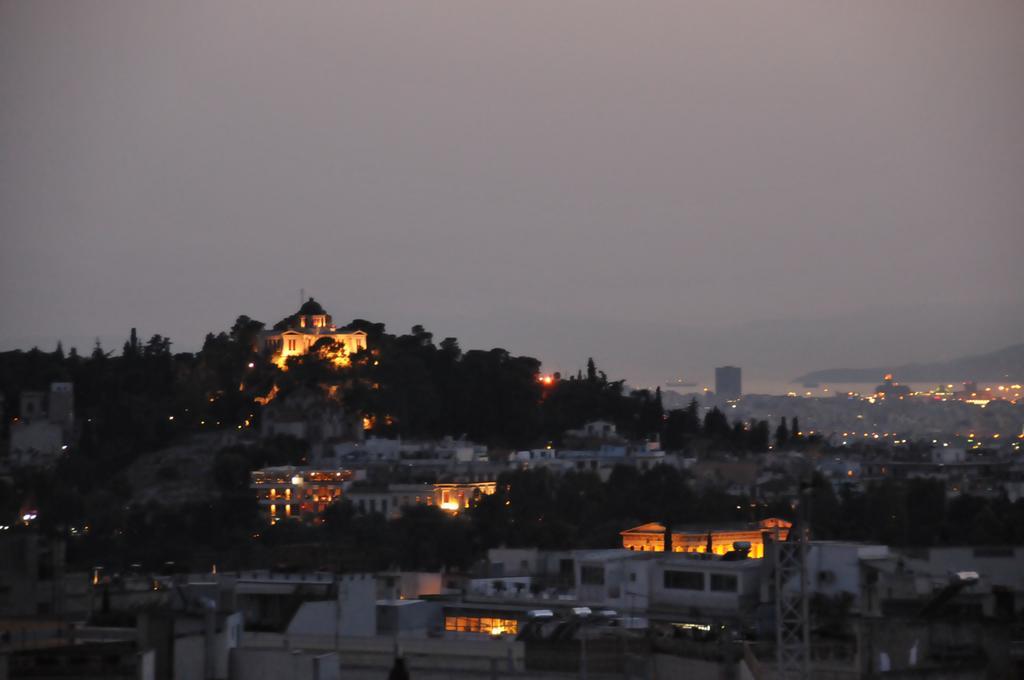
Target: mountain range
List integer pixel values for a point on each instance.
(1006, 364)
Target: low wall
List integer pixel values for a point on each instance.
(505, 655)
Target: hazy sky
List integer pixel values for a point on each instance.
(663, 185)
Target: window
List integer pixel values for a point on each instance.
(724, 583)
(684, 580)
(592, 576)
(477, 624)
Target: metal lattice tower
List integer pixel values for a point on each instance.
(792, 619)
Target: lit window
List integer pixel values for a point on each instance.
(486, 625)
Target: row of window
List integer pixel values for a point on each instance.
(694, 580)
(370, 505)
(673, 580)
(478, 624)
(316, 493)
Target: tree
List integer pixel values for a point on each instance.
(131, 346)
(716, 425)
(245, 331)
(97, 351)
(782, 433)
(758, 436)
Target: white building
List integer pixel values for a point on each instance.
(45, 426)
(295, 335)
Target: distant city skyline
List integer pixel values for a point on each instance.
(783, 188)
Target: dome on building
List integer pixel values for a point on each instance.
(311, 307)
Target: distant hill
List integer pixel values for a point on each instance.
(1004, 364)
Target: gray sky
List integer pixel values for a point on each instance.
(663, 185)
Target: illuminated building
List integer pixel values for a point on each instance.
(295, 335)
(890, 389)
(296, 493)
(651, 537)
(390, 500)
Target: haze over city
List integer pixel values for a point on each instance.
(533, 340)
(666, 187)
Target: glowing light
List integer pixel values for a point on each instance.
(267, 398)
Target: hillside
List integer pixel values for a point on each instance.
(1001, 365)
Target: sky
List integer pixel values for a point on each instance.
(664, 186)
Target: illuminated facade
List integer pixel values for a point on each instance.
(296, 335)
(484, 625)
(296, 493)
(390, 500)
(651, 537)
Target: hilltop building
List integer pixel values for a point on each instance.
(296, 334)
(693, 538)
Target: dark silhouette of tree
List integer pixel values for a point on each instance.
(782, 433)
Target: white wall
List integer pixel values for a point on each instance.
(354, 614)
(35, 443)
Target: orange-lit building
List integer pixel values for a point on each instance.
(295, 335)
(694, 538)
(296, 493)
(390, 500)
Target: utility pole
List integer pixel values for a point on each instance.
(582, 615)
(792, 615)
